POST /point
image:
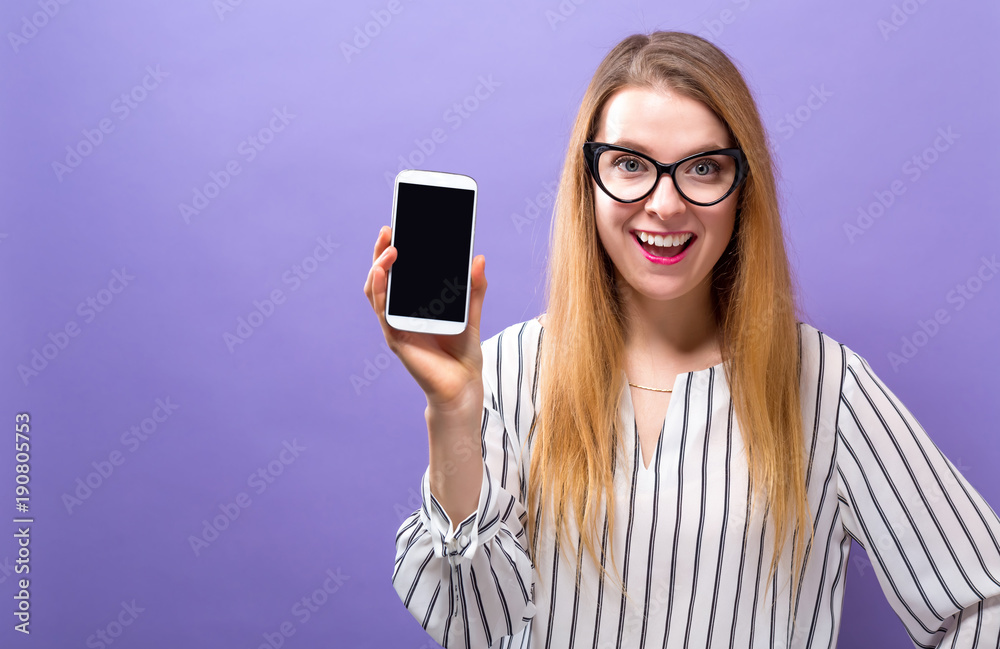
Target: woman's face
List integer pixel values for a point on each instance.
(667, 127)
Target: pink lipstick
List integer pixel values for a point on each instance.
(648, 250)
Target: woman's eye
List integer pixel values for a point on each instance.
(704, 167)
(629, 165)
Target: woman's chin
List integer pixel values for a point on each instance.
(655, 291)
(652, 288)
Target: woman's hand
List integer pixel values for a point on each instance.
(447, 368)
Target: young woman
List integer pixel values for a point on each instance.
(668, 457)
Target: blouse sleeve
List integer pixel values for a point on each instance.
(932, 539)
(470, 586)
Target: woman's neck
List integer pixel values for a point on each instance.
(672, 334)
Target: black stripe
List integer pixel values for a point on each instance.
(774, 603)
(416, 579)
(818, 409)
(743, 556)
(538, 366)
(465, 609)
(725, 525)
(553, 591)
(418, 531)
(499, 395)
(652, 533)
(500, 593)
(600, 583)
(412, 520)
(628, 533)
(520, 374)
(845, 546)
(680, 512)
(418, 535)
(576, 592)
(451, 608)
(430, 607)
(479, 604)
(760, 566)
(513, 564)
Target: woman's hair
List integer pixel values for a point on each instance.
(577, 436)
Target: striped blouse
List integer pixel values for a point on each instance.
(692, 554)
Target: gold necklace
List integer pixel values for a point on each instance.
(643, 387)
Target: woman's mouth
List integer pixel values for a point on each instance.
(662, 249)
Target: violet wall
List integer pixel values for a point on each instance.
(170, 168)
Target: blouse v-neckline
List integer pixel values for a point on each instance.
(635, 450)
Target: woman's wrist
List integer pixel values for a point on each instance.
(456, 460)
(465, 404)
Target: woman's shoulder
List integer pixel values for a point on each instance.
(532, 327)
(815, 345)
(826, 360)
(512, 353)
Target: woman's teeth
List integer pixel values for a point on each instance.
(668, 241)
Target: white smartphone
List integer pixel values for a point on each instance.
(433, 227)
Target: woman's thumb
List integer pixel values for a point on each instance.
(478, 290)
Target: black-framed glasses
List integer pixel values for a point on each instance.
(701, 179)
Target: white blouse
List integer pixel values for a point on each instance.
(693, 556)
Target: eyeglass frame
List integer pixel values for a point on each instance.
(592, 152)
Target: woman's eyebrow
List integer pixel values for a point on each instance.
(625, 142)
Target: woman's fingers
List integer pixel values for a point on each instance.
(375, 284)
(382, 241)
(380, 280)
(381, 245)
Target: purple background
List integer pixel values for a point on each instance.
(337, 505)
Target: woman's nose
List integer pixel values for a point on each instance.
(665, 201)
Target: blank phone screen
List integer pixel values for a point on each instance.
(433, 233)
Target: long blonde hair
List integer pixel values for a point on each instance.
(577, 438)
